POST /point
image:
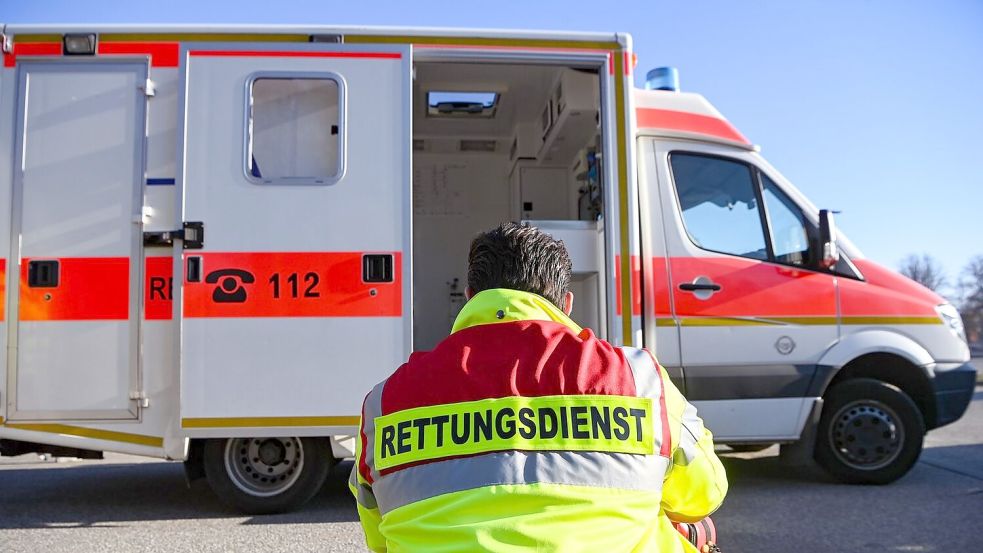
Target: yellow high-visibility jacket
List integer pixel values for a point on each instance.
(521, 431)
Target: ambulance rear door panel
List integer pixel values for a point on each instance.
(76, 240)
(754, 316)
(8, 118)
(660, 326)
(297, 162)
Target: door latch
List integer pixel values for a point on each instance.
(149, 88)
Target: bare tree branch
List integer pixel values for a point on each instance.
(970, 289)
(924, 270)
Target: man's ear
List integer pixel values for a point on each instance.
(568, 303)
(468, 293)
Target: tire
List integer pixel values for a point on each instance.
(261, 476)
(870, 432)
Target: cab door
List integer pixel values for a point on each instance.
(754, 311)
(297, 165)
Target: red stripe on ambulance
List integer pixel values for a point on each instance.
(657, 280)
(162, 54)
(31, 49)
(688, 122)
(295, 54)
(158, 289)
(884, 292)
(276, 284)
(636, 289)
(88, 289)
(3, 288)
(753, 289)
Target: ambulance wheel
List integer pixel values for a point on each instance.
(266, 475)
(870, 432)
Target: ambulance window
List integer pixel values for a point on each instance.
(788, 227)
(719, 205)
(293, 130)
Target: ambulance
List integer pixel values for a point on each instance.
(219, 238)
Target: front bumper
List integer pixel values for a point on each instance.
(953, 392)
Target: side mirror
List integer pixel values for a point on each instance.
(827, 240)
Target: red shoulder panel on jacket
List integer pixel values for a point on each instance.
(522, 358)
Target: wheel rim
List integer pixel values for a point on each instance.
(866, 435)
(264, 467)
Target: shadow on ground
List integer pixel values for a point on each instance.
(112, 495)
(771, 507)
(775, 507)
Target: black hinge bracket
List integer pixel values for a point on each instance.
(192, 235)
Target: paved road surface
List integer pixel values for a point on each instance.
(125, 504)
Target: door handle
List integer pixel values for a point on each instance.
(692, 286)
(42, 273)
(701, 287)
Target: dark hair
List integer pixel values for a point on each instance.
(520, 257)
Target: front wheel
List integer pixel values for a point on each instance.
(266, 475)
(870, 432)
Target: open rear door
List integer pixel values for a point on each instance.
(76, 245)
(297, 162)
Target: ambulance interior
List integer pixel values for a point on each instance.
(495, 143)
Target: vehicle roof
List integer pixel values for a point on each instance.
(16, 28)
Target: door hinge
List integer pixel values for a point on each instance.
(149, 88)
(141, 398)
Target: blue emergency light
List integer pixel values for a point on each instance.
(662, 78)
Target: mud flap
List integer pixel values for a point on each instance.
(800, 453)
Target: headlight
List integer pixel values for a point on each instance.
(950, 316)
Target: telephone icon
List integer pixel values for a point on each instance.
(231, 289)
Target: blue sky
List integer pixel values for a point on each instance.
(871, 107)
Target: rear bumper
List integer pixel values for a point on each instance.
(953, 392)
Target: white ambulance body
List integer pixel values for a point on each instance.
(220, 239)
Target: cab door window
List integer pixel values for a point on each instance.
(790, 236)
(719, 204)
(732, 207)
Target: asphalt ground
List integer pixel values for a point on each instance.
(131, 504)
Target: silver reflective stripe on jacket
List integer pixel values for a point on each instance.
(371, 409)
(648, 383)
(576, 468)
